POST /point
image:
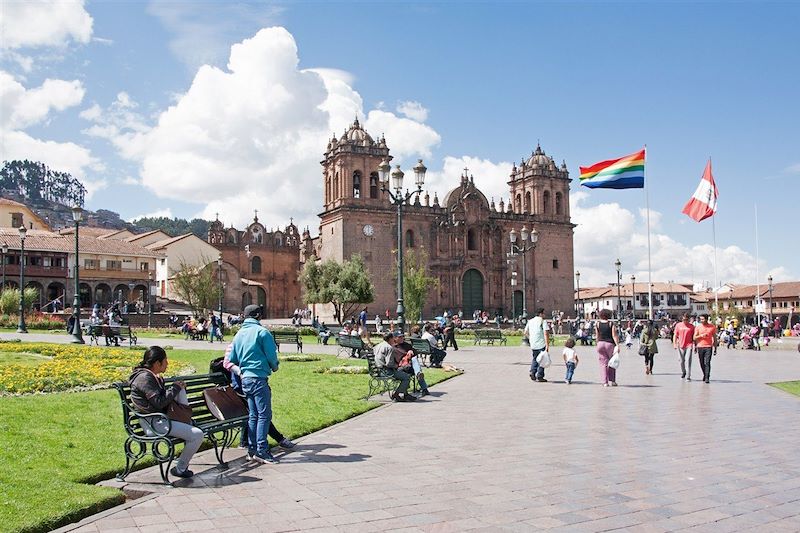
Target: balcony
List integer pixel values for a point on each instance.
(12, 271)
(89, 274)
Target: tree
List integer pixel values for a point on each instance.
(417, 283)
(196, 286)
(343, 285)
(34, 181)
(174, 226)
(9, 300)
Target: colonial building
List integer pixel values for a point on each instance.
(464, 236)
(259, 266)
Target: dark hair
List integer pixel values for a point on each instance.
(153, 355)
(387, 336)
(540, 311)
(605, 314)
(570, 343)
(705, 315)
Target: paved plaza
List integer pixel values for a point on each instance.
(491, 450)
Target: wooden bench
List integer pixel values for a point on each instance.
(348, 343)
(288, 337)
(423, 350)
(489, 336)
(112, 334)
(221, 433)
(380, 380)
(333, 331)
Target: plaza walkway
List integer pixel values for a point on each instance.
(493, 451)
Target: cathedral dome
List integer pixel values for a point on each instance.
(464, 191)
(356, 134)
(538, 158)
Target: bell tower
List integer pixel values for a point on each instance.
(539, 187)
(350, 169)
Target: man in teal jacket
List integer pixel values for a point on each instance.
(255, 355)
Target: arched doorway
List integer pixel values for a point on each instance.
(102, 294)
(517, 303)
(55, 296)
(86, 295)
(247, 299)
(120, 293)
(262, 297)
(471, 291)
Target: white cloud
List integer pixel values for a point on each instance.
(491, 178)
(405, 137)
(793, 169)
(119, 124)
(166, 212)
(608, 231)
(44, 23)
(20, 107)
(413, 110)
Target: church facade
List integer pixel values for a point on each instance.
(464, 236)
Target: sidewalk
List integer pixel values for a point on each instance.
(491, 450)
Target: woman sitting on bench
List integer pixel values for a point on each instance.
(148, 395)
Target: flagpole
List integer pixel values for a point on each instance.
(649, 265)
(714, 237)
(757, 298)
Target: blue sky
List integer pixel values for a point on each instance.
(476, 84)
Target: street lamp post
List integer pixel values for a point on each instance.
(219, 276)
(523, 249)
(578, 313)
(21, 326)
(77, 335)
(619, 295)
(633, 285)
(398, 198)
(769, 280)
(5, 253)
(131, 286)
(149, 299)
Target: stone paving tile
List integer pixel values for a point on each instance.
(655, 454)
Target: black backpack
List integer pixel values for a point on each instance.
(217, 366)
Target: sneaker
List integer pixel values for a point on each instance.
(683, 376)
(424, 392)
(409, 398)
(286, 444)
(688, 379)
(605, 384)
(566, 381)
(613, 383)
(706, 381)
(185, 474)
(265, 458)
(569, 382)
(396, 397)
(541, 380)
(532, 376)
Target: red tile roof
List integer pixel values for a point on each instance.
(47, 241)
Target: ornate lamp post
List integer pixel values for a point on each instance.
(131, 286)
(633, 283)
(219, 276)
(578, 310)
(619, 296)
(769, 280)
(5, 253)
(77, 335)
(398, 199)
(149, 299)
(523, 248)
(21, 326)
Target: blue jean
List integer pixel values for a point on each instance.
(259, 401)
(537, 371)
(570, 371)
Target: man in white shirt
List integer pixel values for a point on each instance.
(537, 331)
(437, 354)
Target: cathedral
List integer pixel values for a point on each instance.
(464, 236)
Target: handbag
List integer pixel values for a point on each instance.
(180, 412)
(224, 403)
(644, 349)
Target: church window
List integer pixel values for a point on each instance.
(472, 241)
(373, 185)
(518, 204)
(327, 191)
(409, 238)
(335, 186)
(558, 204)
(527, 202)
(357, 184)
(546, 202)
(255, 265)
(555, 264)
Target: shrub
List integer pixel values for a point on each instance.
(343, 370)
(9, 299)
(33, 321)
(299, 358)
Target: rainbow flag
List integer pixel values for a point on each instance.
(623, 173)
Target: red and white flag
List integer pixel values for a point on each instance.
(703, 203)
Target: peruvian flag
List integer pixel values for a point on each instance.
(703, 203)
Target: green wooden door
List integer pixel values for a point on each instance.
(472, 291)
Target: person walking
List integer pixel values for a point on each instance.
(450, 333)
(648, 341)
(537, 331)
(705, 336)
(607, 337)
(254, 352)
(683, 341)
(570, 359)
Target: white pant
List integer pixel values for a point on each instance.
(191, 435)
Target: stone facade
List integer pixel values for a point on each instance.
(465, 237)
(260, 267)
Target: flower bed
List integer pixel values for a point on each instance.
(71, 367)
(343, 370)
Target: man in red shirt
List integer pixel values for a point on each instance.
(683, 341)
(705, 335)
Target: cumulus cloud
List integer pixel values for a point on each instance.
(44, 23)
(413, 110)
(251, 135)
(167, 212)
(491, 178)
(608, 231)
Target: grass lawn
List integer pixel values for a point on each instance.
(54, 447)
(17, 358)
(792, 387)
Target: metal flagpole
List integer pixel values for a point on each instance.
(649, 265)
(714, 237)
(757, 299)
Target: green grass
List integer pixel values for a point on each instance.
(792, 387)
(17, 358)
(54, 447)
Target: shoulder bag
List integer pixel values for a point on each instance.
(224, 403)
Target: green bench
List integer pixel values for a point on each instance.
(423, 350)
(288, 337)
(221, 433)
(112, 334)
(489, 336)
(380, 381)
(348, 343)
